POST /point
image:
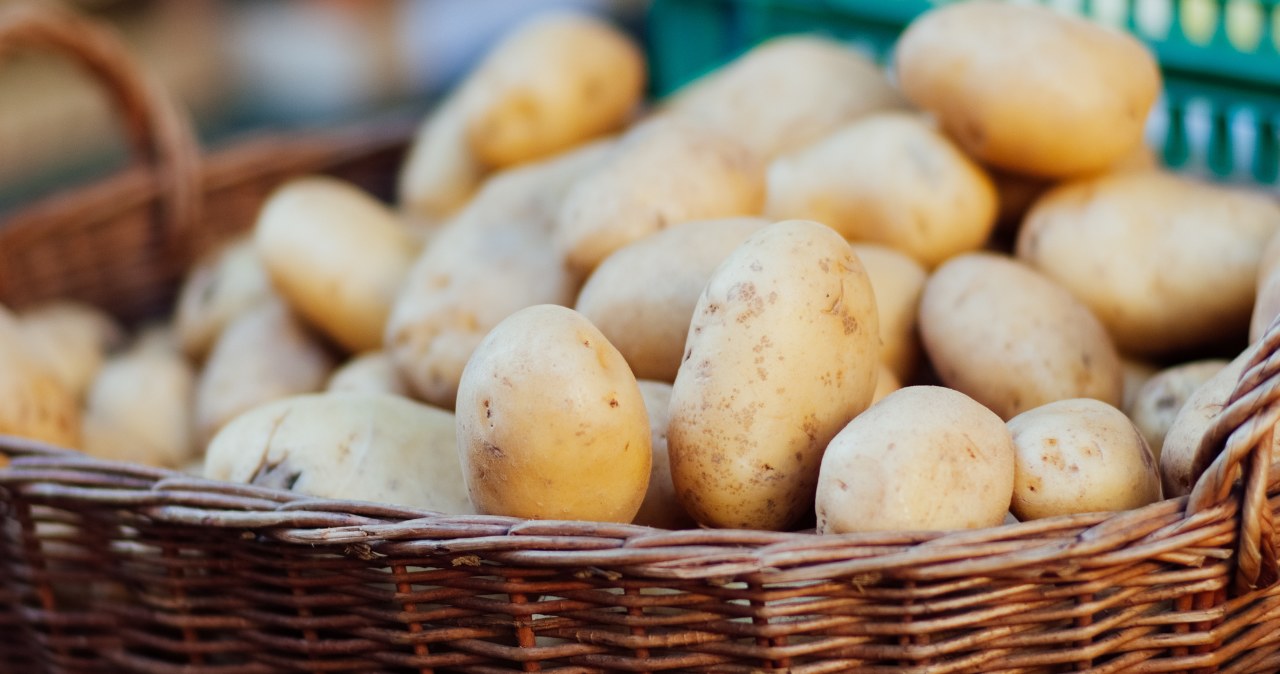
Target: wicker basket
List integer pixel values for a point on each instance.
(114, 567)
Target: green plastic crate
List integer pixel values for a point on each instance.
(1220, 111)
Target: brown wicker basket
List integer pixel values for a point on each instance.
(113, 567)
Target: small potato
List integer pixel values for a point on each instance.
(1166, 263)
(642, 296)
(886, 383)
(783, 351)
(70, 339)
(139, 409)
(33, 401)
(898, 282)
(358, 446)
(894, 468)
(1012, 339)
(264, 355)
(1080, 456)
(1178, 471)
(891, 179)
(1029, 89)
(551, 422)
(1136, 374)
(441, 171)
(219, 288)
(1157, 404)
(787, 93)
(337, 256)
(662, 173)
(661, 508)
(370, 372)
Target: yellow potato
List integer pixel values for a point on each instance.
(33, 401)
(219, 288)
(1029, 89)
(551, 422)
(896, 468)
(886, 382)
(370, 372)
(782, 352)
(70, 339)
(139, 409)
(440, 172)
(660, 508)
(642, 296)
(898, 282)
(1177, 456)
(891, 179)
(1012, 339)
(1157, 404)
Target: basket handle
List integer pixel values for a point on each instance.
(159, 133)
(1240, 442)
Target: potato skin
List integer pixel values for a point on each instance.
(1177, 456)
(36, 404)
(642, 296)
(1166, 263)
(70, 339)
(1012, 339)
(898, 281)
(782, 353)
(140, 409)
(1157, 403)
(661, 508)
(219, 288)
(369, 372)
(1029, 89)
(893, 468)
(551, 422)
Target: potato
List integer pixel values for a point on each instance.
(660, 508)
(662, 173)
(782, 352)
(264, 355)
(1136, 373)
(1080, 456)
(891, 179)
(336, 255)
(33, 401)
(787, 93)
(70, 340)
(1012, 339)
(551, 422)
(221, 286)
(1157, 404)
(493, 259)
(1267, 300)
(140, 407)
(1028, 89)
(441, 171)
(893, 468)
(370, 372)
(642, 296)
(345, 445)
(1192, 422)
(1166, 263)
(897, 281)
(886, 382)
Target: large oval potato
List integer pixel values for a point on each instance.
(642, 296)
(1165, 262)
(221, 286)
(140, 407)
(359, 446)
(783, 351)
(551, 422)
(786, 93)
(664, 172)
(891, 179)
(894, 468)
(1012, 339)
(33, 401)
(70, 339)
(1157, 404)
(661, 508)
(898, 281)
(1029, 89)
(336, 255)
(1193, 420)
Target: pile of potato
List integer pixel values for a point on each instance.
(795, 294)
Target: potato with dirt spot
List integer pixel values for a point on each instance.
(661, 508)
(895, 469)
(36, 403)
(898, 282)
(222, 286)
(70, 339)
(1157, 404)
(551, 422)
(783, 351)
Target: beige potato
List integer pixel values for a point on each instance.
(898, 281)
(70, 339)
(441, 171)
(370, 372)
(221, 286)
(346, 445)
(1267, 299)
(264, 355)
(1012, 339)
(891, 179)
(140, 409)
(783, 351)
(1157, 404)
(1029, 89)
(33, 401)
(662, 173)
(336, 255)
(886, 382)
(1177, 456)
(1136, 374)
(642, 296)
(551, 422)
(1166, 263)
(493, 259)
(661, 508)
(787, 93)
(1080, 456)
(896, 469)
